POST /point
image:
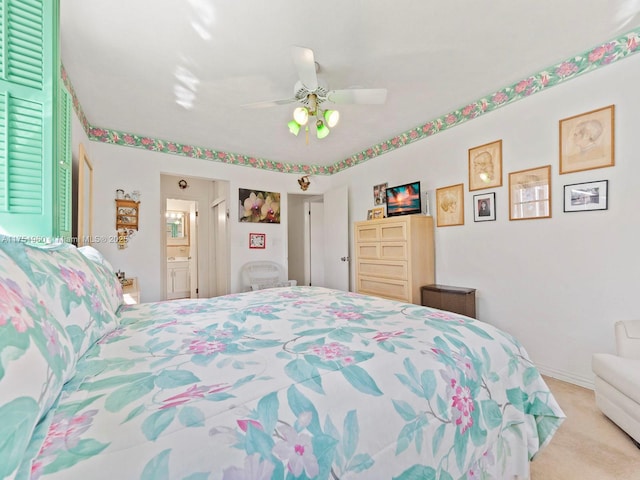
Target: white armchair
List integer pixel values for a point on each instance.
(265, 274)
(617, 379)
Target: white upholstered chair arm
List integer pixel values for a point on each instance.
(628, 338)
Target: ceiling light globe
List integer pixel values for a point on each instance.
(301, 115)
(294, 127)
(332, 117)
(321, 129)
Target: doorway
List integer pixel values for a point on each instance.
(181, 219)
(200, 207)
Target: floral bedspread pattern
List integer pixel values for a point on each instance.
(298, 382)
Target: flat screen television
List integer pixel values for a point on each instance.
(404, 199)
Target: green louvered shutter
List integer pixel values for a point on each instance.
(29, 59)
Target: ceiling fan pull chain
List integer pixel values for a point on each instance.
(306, 129)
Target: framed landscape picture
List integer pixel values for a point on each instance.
(582, 197)
(587, 140)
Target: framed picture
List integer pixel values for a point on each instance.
(484, 207)
(377, 212)
(380, 194)
(485, 166)
(450, 205)
(257, 206)
(530, 193)
(257, 240)
(581, 197)
(587, 140)
(369, 214)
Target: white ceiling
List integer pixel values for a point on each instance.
(181, 70)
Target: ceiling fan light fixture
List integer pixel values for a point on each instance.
(294, 127)
(331, 117)
(321, 129)
(301, 115)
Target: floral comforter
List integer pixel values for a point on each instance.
(299, 382)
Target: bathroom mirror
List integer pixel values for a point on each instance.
(177, 228)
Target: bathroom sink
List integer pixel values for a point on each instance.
(177, 259)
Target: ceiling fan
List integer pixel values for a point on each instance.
(311, 95)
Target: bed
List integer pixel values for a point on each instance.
(283, 383)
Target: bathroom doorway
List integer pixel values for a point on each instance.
(181, 248)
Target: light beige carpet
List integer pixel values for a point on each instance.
(588, 446)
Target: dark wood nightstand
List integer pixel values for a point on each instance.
(453, 299)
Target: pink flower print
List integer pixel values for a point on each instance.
(12, 306)
(566, 69)
(297, 451)
(522, 85)
(194, 392)
(334, 352)
(111, 335)
(462, 406)
(262, 309)
(465, 365)
(203, 347)
(500, 98)
(50, 333)
(74, 279)
(64, 433)
(244, 424)
(349, 315)
(450, 119)
(254, 469)
(383, 336)
(632, 43)
(96, 303)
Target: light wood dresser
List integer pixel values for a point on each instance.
(395, 257)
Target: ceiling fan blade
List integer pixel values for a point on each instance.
(269, 103)
(306, 65)
(358, 95)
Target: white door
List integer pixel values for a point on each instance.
(193, 258)
(336, 238)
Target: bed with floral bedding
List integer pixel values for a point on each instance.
(283, 383)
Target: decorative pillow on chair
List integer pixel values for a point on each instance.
(78, 290)
(36, 357)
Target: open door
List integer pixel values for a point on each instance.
(336, 238)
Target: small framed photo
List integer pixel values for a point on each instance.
(485, 166)
(380, 194)
(582, 197)
(450, 205)
(369, 214)
(587, 140)
(484, 207)
(377, 212)
(530, 193)
(257, 240)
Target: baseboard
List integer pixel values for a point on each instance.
(566, 376)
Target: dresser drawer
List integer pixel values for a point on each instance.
(382, 287)
(368, 250)
(382, 268)
(393, 231)
(367, 233)
(393, 250)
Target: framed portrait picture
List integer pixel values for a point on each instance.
(587, 140)
(582, 197)
(257, 240)
(377, 212)
(369, 214)
(530, 193)
(380, 194)
(485, 166)
(450, 205)
(484, 207)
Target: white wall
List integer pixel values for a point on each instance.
(136, 169)
(557, 284)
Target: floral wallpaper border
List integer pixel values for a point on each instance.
(597, 57)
